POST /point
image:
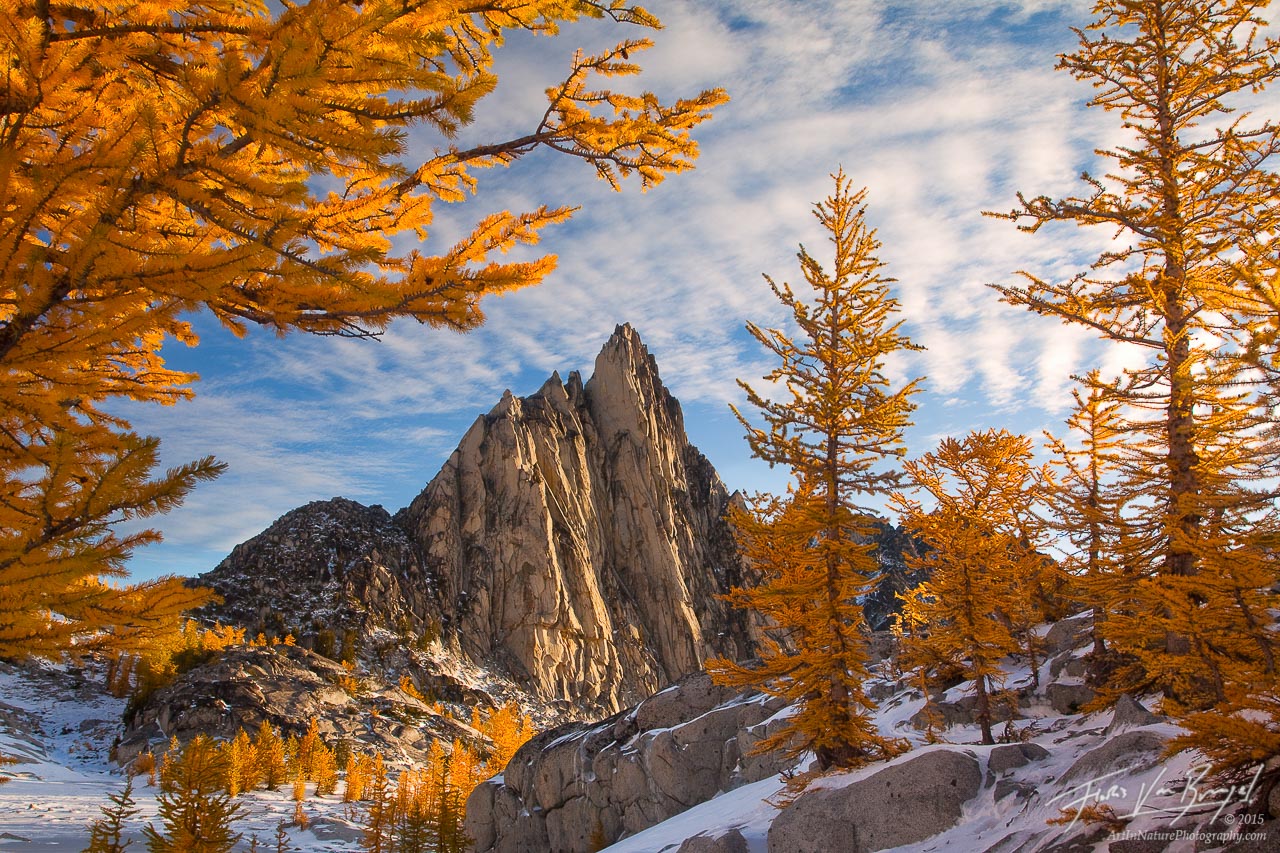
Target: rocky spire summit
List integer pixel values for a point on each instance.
(575, 542)
(579, 537)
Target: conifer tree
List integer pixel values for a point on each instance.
(304, 755)
(1196, 207)
(982, 538)
(452, 775)
(145, 763)
(106, 833)
(418, 808)
(244, 773)
(507, 729)
(355, 777)
(282, 838)
(249, 160)
(842, 422)
(378, 833)
(290, 755)
(269, 751)
(324, 771)
(194, 809)
(1233, 648)
(171, 754)
(1087, 503)
(920, 661)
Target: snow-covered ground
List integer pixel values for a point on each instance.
(1150, 795)
(61, 727)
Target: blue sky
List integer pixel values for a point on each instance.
(942, 108)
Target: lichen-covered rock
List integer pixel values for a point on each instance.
(572, 788)
(906, 802)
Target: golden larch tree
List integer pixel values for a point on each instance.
(417, 808)
(377, 834)
(244, 767)
(252, 160)
(324, 770)
(837, 430)
(1087, 509)
(1194, 202)
(304, 755)
(1226, 684)
(107, 833)
(359, 772)
(195, 812)
(981, 536)
(456, 775)
(507, 729)
(268, 751)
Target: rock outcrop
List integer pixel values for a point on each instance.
(573, 788)
(332, 566)
(574, 544)
(287, 686)
(908, 801)
(580, 540)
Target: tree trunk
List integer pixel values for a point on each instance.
(983, 709)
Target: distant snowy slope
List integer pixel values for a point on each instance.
(61, 726)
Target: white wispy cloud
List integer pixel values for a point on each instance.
(942, 108)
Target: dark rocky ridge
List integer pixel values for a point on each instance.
(337, 563)
(288, 686)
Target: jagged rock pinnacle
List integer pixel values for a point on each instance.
(574, 542)
(578, 536)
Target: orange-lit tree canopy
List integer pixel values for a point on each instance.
(251, 159)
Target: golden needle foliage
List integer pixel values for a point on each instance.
(1180, 453)
(987, 581)
(841, 422)
(1088, 513)
(425, 809)
(507, 729)
(194, 810)
(251, 159)
(137, 669)
(1195, 204)
(106, 834)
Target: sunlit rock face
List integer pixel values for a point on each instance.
(573, 546)
(579, 539)
(581, 785)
